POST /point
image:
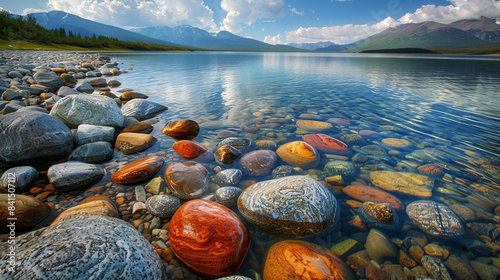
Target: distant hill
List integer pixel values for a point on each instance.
(78, 25)
(196, 37)
(484, 28)
(313, 46)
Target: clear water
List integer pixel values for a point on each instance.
(450, 102)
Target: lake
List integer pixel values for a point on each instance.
(445, 108)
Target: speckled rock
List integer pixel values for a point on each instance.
(20, 178)
(79, 109)
(403, 182)
(258, 163)
(345, 169)
(95, 247)
(293, 259)
(93, 152)
(74, 175)
(163, 206)
(228, 196)
(284, 170)
(228, 177)
(379, 215)
(142, 109)
(435, 219)
(187, 180)
(301, 206)
(32, 138)
(435, 267)
(29, 212)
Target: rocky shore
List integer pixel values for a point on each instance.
(94, 192)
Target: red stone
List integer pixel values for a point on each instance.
(208, 238)
(326, 143)
(189, 149)
(371, 194)
(182, 129)
(339, 121)
(138, 170)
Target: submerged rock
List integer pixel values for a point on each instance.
(74, 175)
(435, 219)
(142, 109)
(403, 182)
(19, 178)
(29, 212)
(94, 247)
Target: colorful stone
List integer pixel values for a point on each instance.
(379, 215)
(299, 153)
(326, 143)
(227, 154)
(293, 259)
(300, 206)
(431, 169)
(435, 219)
(396, 143)
(129, 95)
(258, 163)
(28, 212)
(138, 170)
(92, 208)
(345, 169)
(403, 182)
(131, 143)
(208, 238)
(182, 129)
(189, 149)
(139, 127)
(366, 193)
(310, 125)
(244, 145)
(352, 139)
(435, 267)
(186, 180)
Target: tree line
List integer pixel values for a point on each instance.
(27, 29)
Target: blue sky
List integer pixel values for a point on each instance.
(272, 21)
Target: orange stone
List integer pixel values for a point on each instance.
(189, 149)
(182, 129)
(293, 259)
(326, 143)
(208, 238)
(129, 95)
(298, 153)
(138, 170)
(431, 169)
(93, 208)
(371, 194)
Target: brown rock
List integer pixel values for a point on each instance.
(139, 127)
(130, 143)
(187, 180)
(97, 207)
(28, 212)
(182, 129)
(138, 170)
(129, 95)
(227, 154)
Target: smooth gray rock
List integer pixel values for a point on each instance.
(65, 91)
(13, 106)
(33, 108)
(15, 74)
(228, 196)
(88, 133)
(49, 79)
(89, 247)
(163, 206)
(228, 177)
(21, 177)
(142, 109)
(33, 137)
(128, 121)
(9, 95)
(93, 152)
(79, 109)
(293, 206)
(85, 87)
(70, 176)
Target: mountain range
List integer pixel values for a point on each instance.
(475, 32)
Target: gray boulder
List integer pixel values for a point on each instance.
(88, 247)
(31, 137)
(88, 133)
(93, 152)
(21, 177)
(142, 109)
(85, 87)
(70, 176)
(49, 79)
(9, 95)
(79, 109)
(65, 91)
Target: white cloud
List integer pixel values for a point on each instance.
(457, 10)
(32, 10)
(246, 12)
(273, 40)
(137, 13)
(294, 11)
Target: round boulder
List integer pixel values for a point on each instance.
(70, 176)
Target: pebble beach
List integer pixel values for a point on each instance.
(98, 191)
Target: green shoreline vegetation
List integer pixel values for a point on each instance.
(24, 33)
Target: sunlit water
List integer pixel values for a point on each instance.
(450, 102)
